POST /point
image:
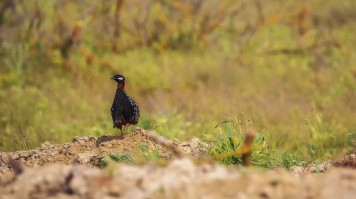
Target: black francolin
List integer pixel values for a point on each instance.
(124, 110)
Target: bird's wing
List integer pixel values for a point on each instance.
(117, 109)
(135, 111)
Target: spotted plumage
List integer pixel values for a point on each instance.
(124, 110)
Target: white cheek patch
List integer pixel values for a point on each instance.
(120, 78)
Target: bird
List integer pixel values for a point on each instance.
(124, 110)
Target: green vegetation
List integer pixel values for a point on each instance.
(264, 154)
(154, 155)
(289, 66)
(147, 155)
(107, 158)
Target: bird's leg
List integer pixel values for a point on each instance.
(121, 132)
(126, 126)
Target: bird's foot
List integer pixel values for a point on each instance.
(126, 126)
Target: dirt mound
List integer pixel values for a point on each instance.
(311, 169)
(70, 171)
(180, 179)
(51, 153)
(349, 162)
(89, 150)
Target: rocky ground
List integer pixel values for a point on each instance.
(71, 171)
(89, 150)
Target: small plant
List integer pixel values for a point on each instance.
(120, 158)
(231, 140)
(229, 147)
(320, 138)
(315, 143)
(104, 160)
(149, 155)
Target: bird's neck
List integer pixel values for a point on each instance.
(121, 86)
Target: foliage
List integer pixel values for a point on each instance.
(188, 64)
(107, 158)
(149, 155)
(267, 153)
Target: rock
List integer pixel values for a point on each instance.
(86, 157)
(349, 162)
(195, 147)
(46, 144)
(297, 170)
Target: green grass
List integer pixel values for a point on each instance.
(144, 155)
(107, 159)
(269, 153)
(301, 104)
(149, 155)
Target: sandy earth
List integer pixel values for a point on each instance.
(88, 150)
(70, 171)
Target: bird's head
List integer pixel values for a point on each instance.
(120, 80)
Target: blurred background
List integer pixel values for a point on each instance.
(284, 67)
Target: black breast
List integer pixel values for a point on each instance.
(124, 110)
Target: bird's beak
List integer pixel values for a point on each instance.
(112, 78)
